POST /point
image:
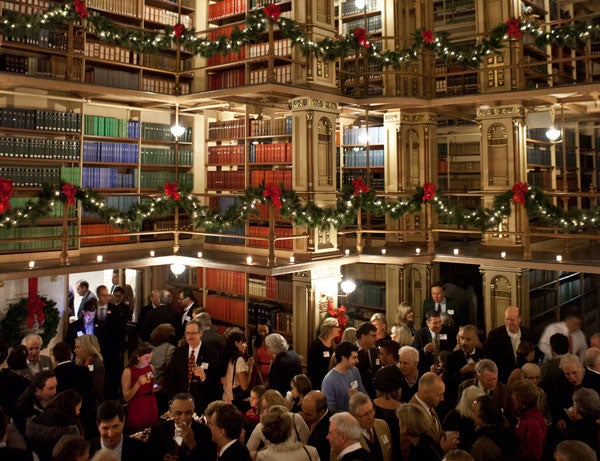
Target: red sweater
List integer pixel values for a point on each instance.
(531, 431)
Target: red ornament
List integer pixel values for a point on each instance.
(171, 191)
(69, 190)
(427, 36)
(360, 186)
(428, 191)
(6, 191)
(80, 9)
(273, 191)
(340, 315)
(178, 30)
(35, 306)
(361, 36)
(519, 190)
(272, 12)
(513, 28)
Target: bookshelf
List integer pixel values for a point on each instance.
(540, 165)
(370, 294)
(362, 155)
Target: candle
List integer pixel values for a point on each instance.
(31, 264)
(292, 259)
(346, 251)
(152, 253)
(199, 254)
(558, 258)
(503, 254)
(99, 258)
(455, 251)
(383, 251)
(249, 259)
(418, 251)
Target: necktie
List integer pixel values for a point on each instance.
(371, 436)
(191, 366)
(437, 307)
(436, 422)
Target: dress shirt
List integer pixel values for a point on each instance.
(515, 339)
(578, 340)
(118, 451)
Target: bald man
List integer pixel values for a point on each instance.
(502, 343)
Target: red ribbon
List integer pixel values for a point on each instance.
(35, 305)
(360, 186)
(272, 11)
(171, 191)
(178, 30)
(80, 9)
(69, 190)
(513, 28)
(361, 35)
(519, 190)
(6, 191)
(428, 191)
(273, 192)
(427, 36)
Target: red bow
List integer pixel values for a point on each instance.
(178, 30)
(6, 191)
(519, 190)
(35, 305)
(513, 28)
(428, 191)
(272, 11)
(69, 190)
(273, 191)
(361, 35)
(427, 36)
(80, 9)
(171, 191)
(360, 186)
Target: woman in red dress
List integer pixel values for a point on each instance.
(137, 383)
(262, 357)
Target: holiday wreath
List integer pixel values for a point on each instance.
(31, 315)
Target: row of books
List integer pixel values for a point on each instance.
(258, 310)
(349, 7)
(226, 180)
(109, 53)
(231, 310)
(373, 25)
(368, 294)
(359, 135)
(170, 18)
(539, 154)
(376, 181)
(116, 6)
(227, 155)
(71, 175)
(263, 212)
(227, 240)
(121, 203)
(159, 85)
(464, 148)
(541, 303)
(110, 152)
(222, 203)
(55, 212)
(231, 78)
(279, 177)
(268, 127)
(98, 125)
(39, 238)
(376, 157)
(31, 177)
(216, 32)
(589, 142)
(539, 179)
(43, 38)
(282, 321)
(281, 48)
(157, 179)
(164, 62)
(30, 7)
(362, 271)
(278, 288)
(271, 153)
(107, 178)
(263, 231)
(34, 119)
(263, 3)
(226, 129)
(164, 156)
(106, 233)
(465, 167)
(225, 8)
(569, 290)
(283, 74)
(232, 56)
(462, 183)
(540, 277)
(225, 281)
(113, 78)
(55, 149)
(162, 132)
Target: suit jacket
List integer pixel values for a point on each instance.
(435, 430)
(318, 437)
(368, 364)
(133, 449)
(160, 442)
(162, 314)
(285, 366)
(235, 452)
(77, 328)
(453, 378)
(213, 339)
(382, 431)
(423, 337)
(459, 316)
(89, 295)
(591, 380)
(203, 392)
(45, 364)
(357, 455)
(185, 317)
(501, 394)
(498, 348)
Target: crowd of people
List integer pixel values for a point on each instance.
(171, 387)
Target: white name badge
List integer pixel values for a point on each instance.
(204, 366)
(384, 439)
(451, 311)
(325, 353)
(443, 337)
(377, 362)
(354, 384)
(80, 333)
(91, 367)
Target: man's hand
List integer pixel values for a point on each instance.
(187, 435)
(428, 348)
(468, 369)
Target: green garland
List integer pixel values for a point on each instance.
(16, 318)
(18, 25)
(340, 215)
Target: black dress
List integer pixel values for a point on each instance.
(317, 362)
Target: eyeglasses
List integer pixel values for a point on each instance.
(368, 413)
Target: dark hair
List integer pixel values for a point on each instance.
(163, 333)
(90, 305)
(65, 403)
(83, 283)
(559, 343)
(17, 359)
(118, 289)
(187, 293)
(344, 349)
(100, 287)
(431, 314)
(70, 447)
(437, 283)
(108, 410)
(523, 350)
(364, 329)
(142, 349)
(62, 352)
(391, 347)
(229, 418)
(489, 411)
(258, 339)
(302, 383)
(230, 351)
(38, 381)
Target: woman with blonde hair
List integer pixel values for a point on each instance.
(415, 443)
(460, 419)
(87, 353)
(403, 332)
(320, 352)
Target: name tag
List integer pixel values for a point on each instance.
(80, 333)
(91, 367)
(325, 353)
(187, 318)
(45, 368)
(451, 311)
(354, 384)
(377, 362)
(384, 439)
(443, 337)
(204, 365)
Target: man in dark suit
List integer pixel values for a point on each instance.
(162, 314)
(225, 429)
(502, 342)
(460, 364)
(210, 335)
(376, 432)
(111, 421)
(153, 304)
(440, 303)
(368, 355)
(182, 438)
(187, 302)
(316, 415)
(344, 436)
(10, 453)
(88, 324)
(194, 368)
(83, 289)
(433, 339)
(409, 366)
